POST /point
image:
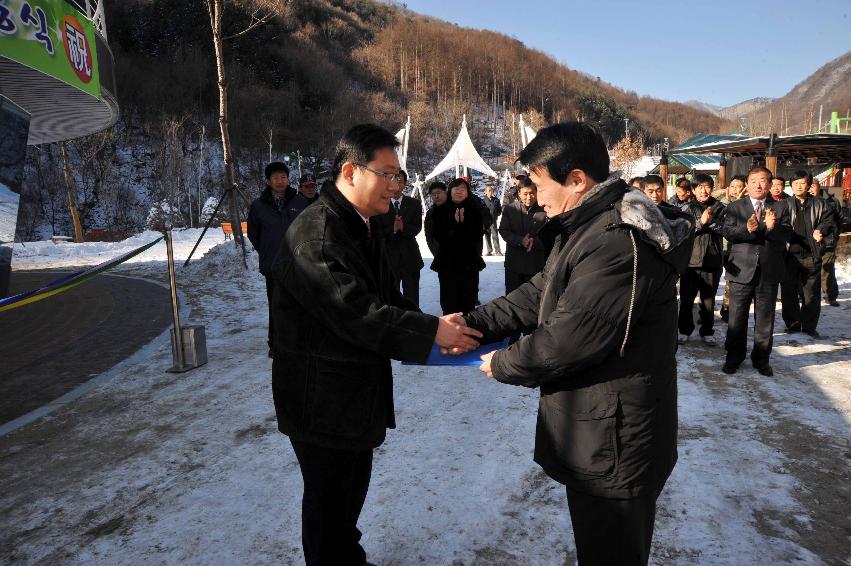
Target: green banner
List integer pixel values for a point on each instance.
(53, 37)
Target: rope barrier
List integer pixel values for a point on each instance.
(68, 281)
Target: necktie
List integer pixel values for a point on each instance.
(757, 209)
(396, 206)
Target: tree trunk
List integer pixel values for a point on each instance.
(215, 9)
(72, 195)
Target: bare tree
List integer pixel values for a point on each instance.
(215, 9)
(71, 189)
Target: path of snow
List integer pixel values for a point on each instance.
(160, 468)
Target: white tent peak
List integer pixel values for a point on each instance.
(462, 154)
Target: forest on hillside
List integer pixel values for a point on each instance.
(296, 83)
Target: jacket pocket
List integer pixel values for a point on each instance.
(583, 428)
(342, 399)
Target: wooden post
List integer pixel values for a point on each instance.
(663, 172)
(771, 155)
(722, 172)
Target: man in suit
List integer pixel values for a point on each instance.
(398, 228)
(758, 230)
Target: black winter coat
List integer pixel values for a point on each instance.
(821, 217)
(517, 221)
(708, 249)
(267, 224)
(459, 245)
(604, 362)
(339, 320)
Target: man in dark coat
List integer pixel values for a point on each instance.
(438, 194)
(778, 189)
(491, 233)
(331, 376)
(683, 193)
(524, 250)
(813, 223)
(829, 286)
(757, 229)
(306, 191)
(399, 228)
(704, 267)
(601, 322)
(268, 219)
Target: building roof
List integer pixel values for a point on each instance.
(823, 148)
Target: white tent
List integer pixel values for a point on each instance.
(462, 154)
(404, 135)
(527, 134)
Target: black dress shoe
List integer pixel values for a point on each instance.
(765, 370)
(794, 327)
(812, 333)
(833, 302)
(729, 368)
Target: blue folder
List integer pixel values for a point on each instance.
(435, 358)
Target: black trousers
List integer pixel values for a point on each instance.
(459, 290)
(335, 486)
(696, 282)
(764, 297)
(800, 292)
(270, 288)
(492, 239)
(828, 276)
(611, 531)
(409, 279)
(514, 279)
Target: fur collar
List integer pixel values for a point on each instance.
(666, 233)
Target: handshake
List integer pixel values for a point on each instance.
(454, 336)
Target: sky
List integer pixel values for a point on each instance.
(721, 52)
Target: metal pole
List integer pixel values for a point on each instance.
(175, 307)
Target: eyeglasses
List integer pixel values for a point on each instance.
(397, 177)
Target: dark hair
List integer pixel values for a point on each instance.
(520, 175)
(701, 178)
(634, 179)
(405, 174)
(683, 183)
(816, 181)
(781, 179)
(800, 174)
(276, 167)
(565, 147)
(761, 169)
(652, 180)
(458, 182)
(528, 184)
(742, 178)
(359, 146)
(437, 185)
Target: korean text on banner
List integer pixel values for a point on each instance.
(51, 36)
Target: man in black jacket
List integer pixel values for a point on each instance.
(524, 250)
(704, 267)
(829, 286)
(438, 194)
(757, 229)
(495, 209)
(812, 222)
(683, 193)
(601, 321)
(331, 377)
(399, 228)
(268, 219)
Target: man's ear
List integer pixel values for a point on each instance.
(348, 173)
(578, 180)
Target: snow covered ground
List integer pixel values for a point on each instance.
(154, 467)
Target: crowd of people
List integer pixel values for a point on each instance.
(593, 267)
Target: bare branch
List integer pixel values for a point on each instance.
(257, 22)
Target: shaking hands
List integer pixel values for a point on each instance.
(454, 336)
